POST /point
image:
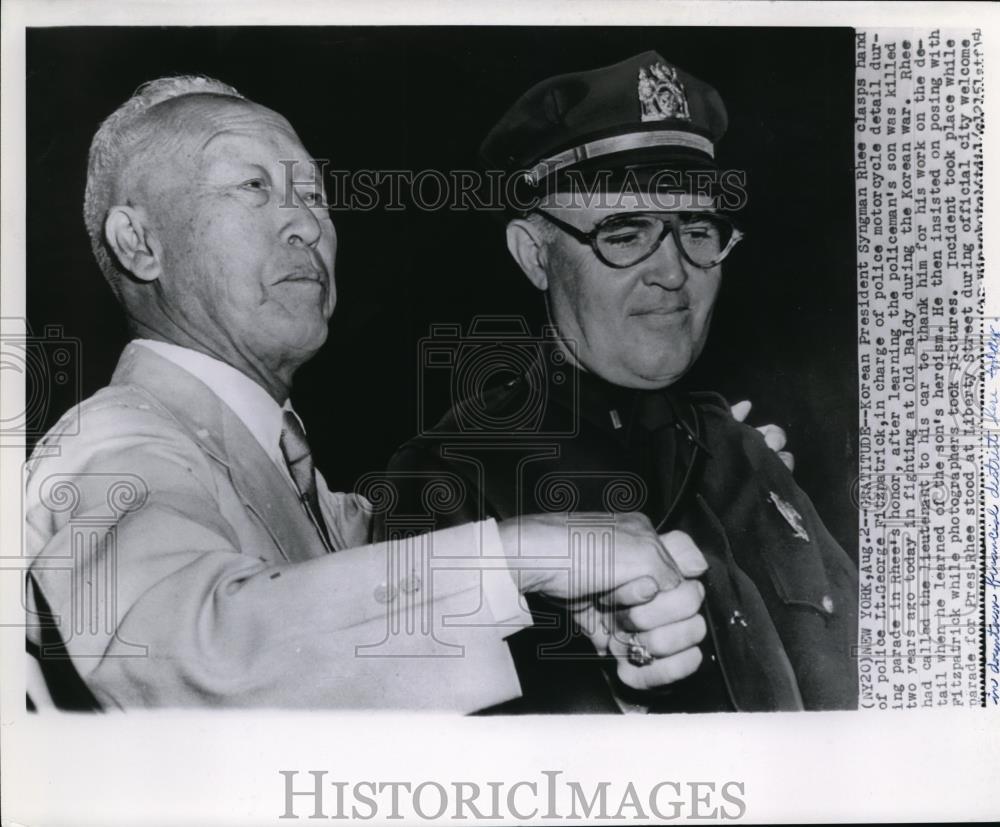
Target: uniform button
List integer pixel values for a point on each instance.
(828, 604)
(737, 617)
(411, 584)
(385, 593)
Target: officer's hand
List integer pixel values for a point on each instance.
(774, 436)
(550, 557)
(668, 626)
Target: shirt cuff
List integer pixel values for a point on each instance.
(503, 597)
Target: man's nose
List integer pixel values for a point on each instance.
(665, 267)
(301, 227)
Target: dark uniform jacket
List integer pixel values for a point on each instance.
(781, 595)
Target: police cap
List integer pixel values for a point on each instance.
(642, 115)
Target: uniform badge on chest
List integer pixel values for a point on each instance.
(792, 517)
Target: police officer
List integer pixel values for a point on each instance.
(619, 220)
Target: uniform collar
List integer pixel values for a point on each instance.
(617, 410)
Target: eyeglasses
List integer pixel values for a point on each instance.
(625, 239)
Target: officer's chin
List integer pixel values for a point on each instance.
(655, 383)
(659, 370)
(648, 377)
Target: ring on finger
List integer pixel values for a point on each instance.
(638, 655)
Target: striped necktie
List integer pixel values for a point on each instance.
(298, 457)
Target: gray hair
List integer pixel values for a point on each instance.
(122, 134)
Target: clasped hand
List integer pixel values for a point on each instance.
(639, 588)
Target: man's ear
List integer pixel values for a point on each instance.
(524, 240)
(127, 233)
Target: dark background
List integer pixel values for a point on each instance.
(784, 333)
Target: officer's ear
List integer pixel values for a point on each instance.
(526, 243)
(127, 231)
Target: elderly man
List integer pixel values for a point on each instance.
(622, 229)
(184, 551)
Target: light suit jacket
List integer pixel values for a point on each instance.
(180, 569)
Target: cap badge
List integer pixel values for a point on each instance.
(792, 517)
(661, 94)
